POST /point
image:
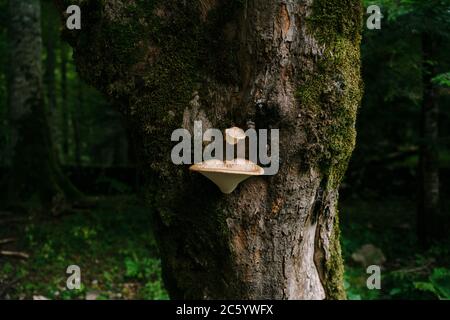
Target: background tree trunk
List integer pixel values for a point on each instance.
(292, 65)
(76, 115)
(428, 210)
(51, 44)
(50, 60)
(65, 110)
(35, 168)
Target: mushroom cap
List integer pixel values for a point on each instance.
(235, 166)
(233, 135)
(227, 174)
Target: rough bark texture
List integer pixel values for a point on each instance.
(35, 169)
(292, 65)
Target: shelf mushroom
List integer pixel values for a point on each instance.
(227, 174)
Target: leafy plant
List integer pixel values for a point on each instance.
(438, 283)
(141, 269)
(154, 291)
(443, 79)
(147, 269)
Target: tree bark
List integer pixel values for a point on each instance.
(35, 169)
(76, 115)
(50, 39)
(292, 65)
(428, 209)
(50, 61)
(65, 110)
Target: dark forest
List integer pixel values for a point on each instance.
(357, 208)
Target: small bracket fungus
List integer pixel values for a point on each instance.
(234, 135)
(227, 174)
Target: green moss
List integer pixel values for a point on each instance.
(334, 267)
(329, 96)
(336, 18)
(330, 93)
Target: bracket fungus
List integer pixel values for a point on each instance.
(227, 174)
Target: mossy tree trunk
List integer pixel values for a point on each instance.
(34, 168)
(292, 65)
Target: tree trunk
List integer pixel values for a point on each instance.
(50, 75)
(50, 43)
(65, 110)
(292, 65)
(76, 115)
(35, 169)
(428, 210)
(50, 61)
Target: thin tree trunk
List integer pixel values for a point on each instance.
(50, 64)
(8, 154)
(428, 209)
(76, 114)
(292, 65)
(50, 74)
(50, 42)
(65, 110)
(35, 169)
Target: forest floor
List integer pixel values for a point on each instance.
(111, 243)
(386, 228)
(118, 257)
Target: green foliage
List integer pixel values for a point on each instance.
(141, 269)
(388, 122)
(443, 79)
(148, 270)
(112, 243)
(115, 249)
(418, 13)
(408, 272)
(438, 283)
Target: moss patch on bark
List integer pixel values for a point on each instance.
(332, 92)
